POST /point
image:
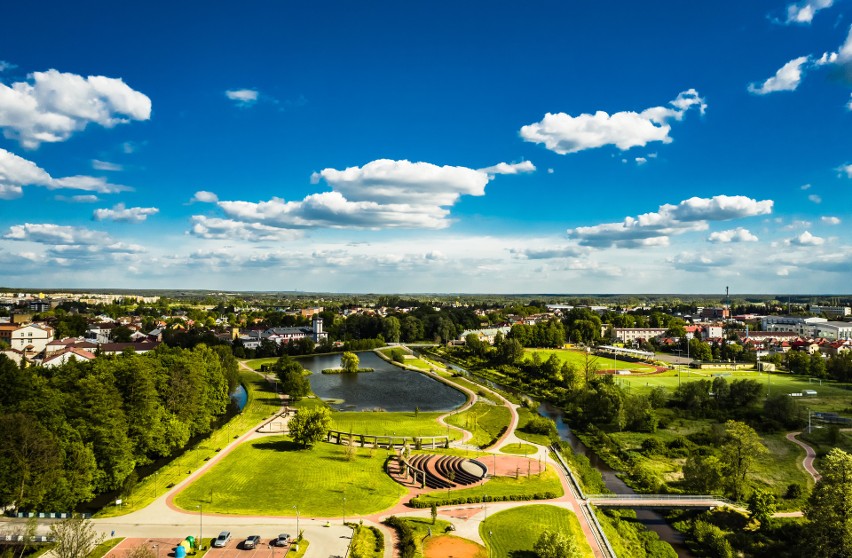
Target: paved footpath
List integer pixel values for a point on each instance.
(810, 455)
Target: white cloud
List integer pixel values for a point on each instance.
(829, 220)
(106, 166)
(803, 12)
(815, 198)
(807, 239)
(243, 97)
(806, 187)
(787, 78)
(46, 233)
(733, 235)
(83, 198)
(215, 228)
(124, 214)
(6, 66)
(845, 170)
(698, 263)
(563, 133)
(51, 106)
(17, 172)
(203, 196)
(653, 229)
(641, 160)
(381, 194)
(549, 252)
(506, 168)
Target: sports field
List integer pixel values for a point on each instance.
(578, 359)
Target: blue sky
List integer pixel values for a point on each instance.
(428, 147)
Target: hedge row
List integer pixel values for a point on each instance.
(407, 546)
(417, 503)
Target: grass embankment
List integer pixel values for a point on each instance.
(519, 449)
(408, 424)
(513, 533)
(262, 403)
(270, 476)
(524, 417)
(485, 421)
(499, 489)
(578, 359)
(256, 363)
(104, 547)
(629, 538)
(342, 371)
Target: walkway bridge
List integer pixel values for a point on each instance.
(658, 501)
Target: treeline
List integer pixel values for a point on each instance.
(70, 433)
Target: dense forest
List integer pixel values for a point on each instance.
(70, 433)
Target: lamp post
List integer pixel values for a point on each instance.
(158, 550)
(485, 506)
(296, 507)
(200, 525)
(344, 510)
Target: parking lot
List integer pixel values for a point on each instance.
(164, 548)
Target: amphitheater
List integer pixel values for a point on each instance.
(430, 470)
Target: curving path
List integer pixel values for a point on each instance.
(810, 455)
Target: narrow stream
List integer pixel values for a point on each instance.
(652, 520)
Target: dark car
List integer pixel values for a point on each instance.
(222, 539)
(282, 540)
(251, 542)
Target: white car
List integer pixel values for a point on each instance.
(222, 539)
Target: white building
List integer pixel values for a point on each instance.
(32, 338)
(808, 327)
(631, 334)
(831, 311)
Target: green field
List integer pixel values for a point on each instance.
(271, 475)
(484, 420)
(262, 403)
(578, 358)
(498, 487)
(519, 449)
(391, 424)
(256, 363)
(513, 533)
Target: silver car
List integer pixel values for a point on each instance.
(222, 539)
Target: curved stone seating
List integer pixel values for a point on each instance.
(445, 471)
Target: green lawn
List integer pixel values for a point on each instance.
(262, 403)
(513, 533)
(271, 475)
(524, 416)
(256, 363)
(519, 449)
(102, 548)
(484, 420)
(498, 487)
(390, 424)
(578, 358)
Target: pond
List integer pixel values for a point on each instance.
(388, 388)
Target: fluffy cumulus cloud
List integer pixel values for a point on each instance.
(803, 12)
(654, 229)
(381, 194)
(17, 172)
(46, 233)
(830, 220)
(124, 214)
(787, 78)
(563, 133)
(215, 228)
(733, 235)
(51, 106)
(204, 197)
(806, 239)
(243, 97)
(547, 253)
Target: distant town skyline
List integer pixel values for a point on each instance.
(446, 148)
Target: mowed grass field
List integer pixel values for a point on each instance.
(483, 420)
(271, 475)
(513, 533)
(831, 395)
(578, 358)
(391, 424)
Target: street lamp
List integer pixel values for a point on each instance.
(297, 520)
(344, 510)
(200, 525)
(485, 506)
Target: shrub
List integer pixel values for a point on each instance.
(794, 491)
(651, 446)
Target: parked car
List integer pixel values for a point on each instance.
(282, 540)
(222, 539)
(251, 542)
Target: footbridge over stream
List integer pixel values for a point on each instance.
(658, 501)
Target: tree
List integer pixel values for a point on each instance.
(392, 329)
(74, 537)
(349, 362)
(555, 545)
(829, 508)
(309, 426)
(702, 474)
(510, 351)
(292, 377)
(742, 446)
(761, 505)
